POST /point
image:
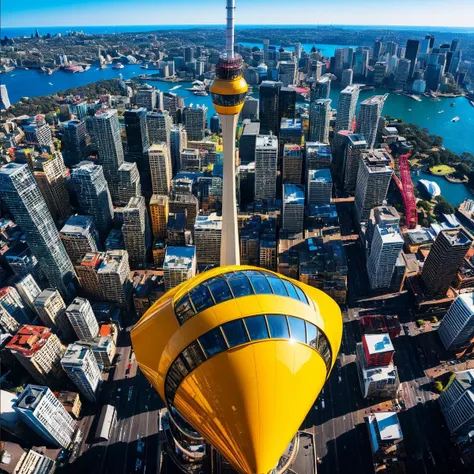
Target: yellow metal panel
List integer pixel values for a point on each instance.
(229, 87)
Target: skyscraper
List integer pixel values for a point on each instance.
(347, 76)
(373, 180)
(356, 145)
(147, 98)
(319, 118)
(160, 168)
(338, 63)
(402, 73)
(136, 232)
(159, 127)
(293, 207)
(208, 238)
(319, 187)
(137, 143)
(82, 319)
(457, 327)
(179, 265)
(28, 290)
(268, 107)
(76, 142)
(411, 53)
(361, 61)
(81, 367)
(286, 103)
(20, 192)
(443, 261)
(369, 115)
(191, 160)
(378, 48)
(41, 411)
(128, 183)
(79, 236)
(266, 165)
(159, 209)
(107, 133)
(179, 141)
(4, 99)
(321, 89)
(13, 312)
(195, 121)
(346, 107)
(288, 70)
(292, 164)
(93, 195)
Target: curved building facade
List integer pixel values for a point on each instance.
(239, 354)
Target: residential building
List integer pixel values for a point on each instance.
(76, 142)
(52, 311)
(82, 319)
(38, 132)
(41, 410)
(346, 107)
(292, 164)
(207, 239)
(185, 202)
(266, 165)
(370, 112)
(128, 183)
(28, 289)
(81, 367)
(443, 261)
(13, 312)
(179, 265)
(159, 210)
(159, 128)
(319, 118)
(160, 168)
(79, 236)
(268, 107)
(39, 351)
(457, 404)
(93, 195)
(319, 186)
(146, 98)
(19, 191)
(107, 134)
(373, 180)
(136, 232)
(195, 121)
(103, 348)
(356, 146)
(293, 207)
(456, 330)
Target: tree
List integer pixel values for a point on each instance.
(462, 169)
(465, 155)
(443, 207)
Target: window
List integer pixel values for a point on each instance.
(240, 285)
(297, 329)
(219, 289)
(311, 335)
(193, 356)
(201, 298)
(228, 100)
(235, 332)
(291, 290)
(301, 295)
(184, 310)
(324, 349)
(182, 369)
(213, 342)
(277, 285)
(256, 327)
(260, 284)
(278, 326)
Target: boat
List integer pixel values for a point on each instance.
(50, 83)
(455, 119)
(409, 110)
(201, 93)
(414, 97)
(175, 87)
(118, 66)
(453, 104)
(471, 102)
(441, 112)
(431, 187)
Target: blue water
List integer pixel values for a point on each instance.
(453, 193)
(328, 50)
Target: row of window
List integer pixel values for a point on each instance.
(241, 331)
(234, 285)
(228, 100)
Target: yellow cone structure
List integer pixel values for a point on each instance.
(241, 354)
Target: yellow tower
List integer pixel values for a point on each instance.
(239, 354)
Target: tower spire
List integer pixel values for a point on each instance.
(229, 32)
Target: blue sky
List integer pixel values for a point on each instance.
(18, 13)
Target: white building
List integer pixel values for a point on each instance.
(79, 236)
(41, 410)
(368, 119)
(103, 348)
(457, 327)
(207, 238)
(160, 168)
(52, 311)
(195, 121)
(266, 165)
(346, 107)
(179, 265)
(190, 160)
(34, 462)
(81, 366)
(28, 290)
(128, 183)
(13, 312)
(4, 99)
(82, 318)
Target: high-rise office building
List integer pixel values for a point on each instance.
(402, 73)
(319, 187)
(93, 195)
(250, 108)
(179, 141)
(266, 165)
(319, 118)
(356, 145)
(179, 265)
(128, 183)
(287, 72)
(107, 133)
(103, 348)
(347, 76)
(13, 312)
(293, 207)
(4, 99)
(22, 261)
(361, 62)
(373, 180)
(50, 174)
(137, 139)
(291, 132)
(346, 107)
(411, 53)
(378, 48)
(187, 203)
(286, 103)
(207, 238)
(79, 236)
(76, 142)
(318, 156)
(147, 98)
(195, 121)
(20, 192)
(191, 160)
(370, 112)
(41, 411)
(250, 130)
(268, 106)
(160, 168)
(457, 327)
(136, 232)
(28, 290)
(443, 261)
(38, 132)
(159, 210)
(39, 351)
(321, 89)
(338, 64)
(159, 127)
(82, 318)
(292, 164)
(52, 311)
(81, 367)
(457, 404)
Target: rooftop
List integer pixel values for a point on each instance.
(375, 100)
(468, 300)
(210, 222)
(457, 237)
(77, 304)
(77, 225)
(290, 124)
(388, 425)
(251, 128)
(378, 343)
(159, 200)
(75, 354)
(320, 176)
(29, 339)
(157, 147)
(293, 194)
(350, 89)
(264, 141)
(390, 234)
(45, 296)
(179, 258)
(105, 114)
(30, 397)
